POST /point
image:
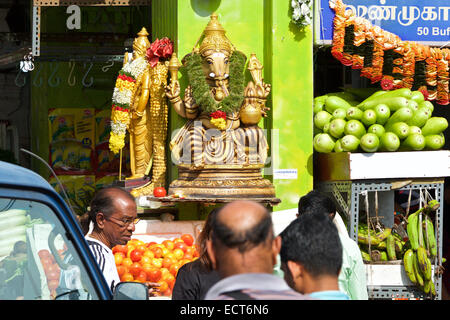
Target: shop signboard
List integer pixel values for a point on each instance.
(422, 21)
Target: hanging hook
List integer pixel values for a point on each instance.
(16, 81)
(83, 81)
(54, 83)
(105, 68)
(71, 80)
(38, 76)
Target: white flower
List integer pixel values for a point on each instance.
(122, 97)
(307, 21)
(305, 10)
(297, 13)
(294, 4)
(118, 128)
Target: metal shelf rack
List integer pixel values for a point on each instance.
(347, 197)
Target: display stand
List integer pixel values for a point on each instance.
(386, 280)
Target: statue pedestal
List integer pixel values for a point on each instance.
(132, 183)
(224, 182)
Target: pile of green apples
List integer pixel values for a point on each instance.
(386, 121)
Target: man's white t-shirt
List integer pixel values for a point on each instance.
(105, 260)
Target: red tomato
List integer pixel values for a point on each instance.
(135, 269)
(157, 251)
(174, 269)
(121, 270)
(135, 255)
(167, 262)
(120, 248)
(151, 244)
(163, 286)
(46, 263)
(127, 262)
(53, 284)
(178, 253)
(118, 258)
(44, 253)
(188, 239)
(168, 244)
(145, 260)
(159, 192)
(141, 248)
(154, 275)
(52, 275)
(170, 279)
(181, 245)
(141, 277)
(126, 277)
(187, 256)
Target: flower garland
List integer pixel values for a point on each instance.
(201, 91)
(219, 119)
(122, 100)
(302, 12)
(383, 57)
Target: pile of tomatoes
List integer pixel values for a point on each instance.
(51, 270)
(155, 262)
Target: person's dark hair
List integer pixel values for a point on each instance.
(312, 241)
(316, 202)
(103, 201)
(242, 240)
(204, 236)
(19, 247)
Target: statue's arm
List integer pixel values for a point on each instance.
(144, 96)
(187, 108)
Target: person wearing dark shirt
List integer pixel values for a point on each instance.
(243, 249)
(195, 278)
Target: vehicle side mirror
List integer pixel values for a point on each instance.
(131, 291)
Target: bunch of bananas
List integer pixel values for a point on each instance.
(423, 248)
(417, 252)
(386, 245)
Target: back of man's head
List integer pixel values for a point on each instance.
(316, 202)
(242, 226)
(312, 241)
(242, 234)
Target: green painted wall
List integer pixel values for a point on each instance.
(292, 96)
(264, 28)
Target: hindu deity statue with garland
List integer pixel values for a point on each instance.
(139, 106)
(220, 151)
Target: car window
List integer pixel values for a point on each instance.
(37, 260)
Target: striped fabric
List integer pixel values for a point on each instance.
(105, 259)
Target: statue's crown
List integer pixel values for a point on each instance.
(141, 42)
(214, 37)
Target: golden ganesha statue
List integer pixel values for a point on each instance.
(220, 151)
